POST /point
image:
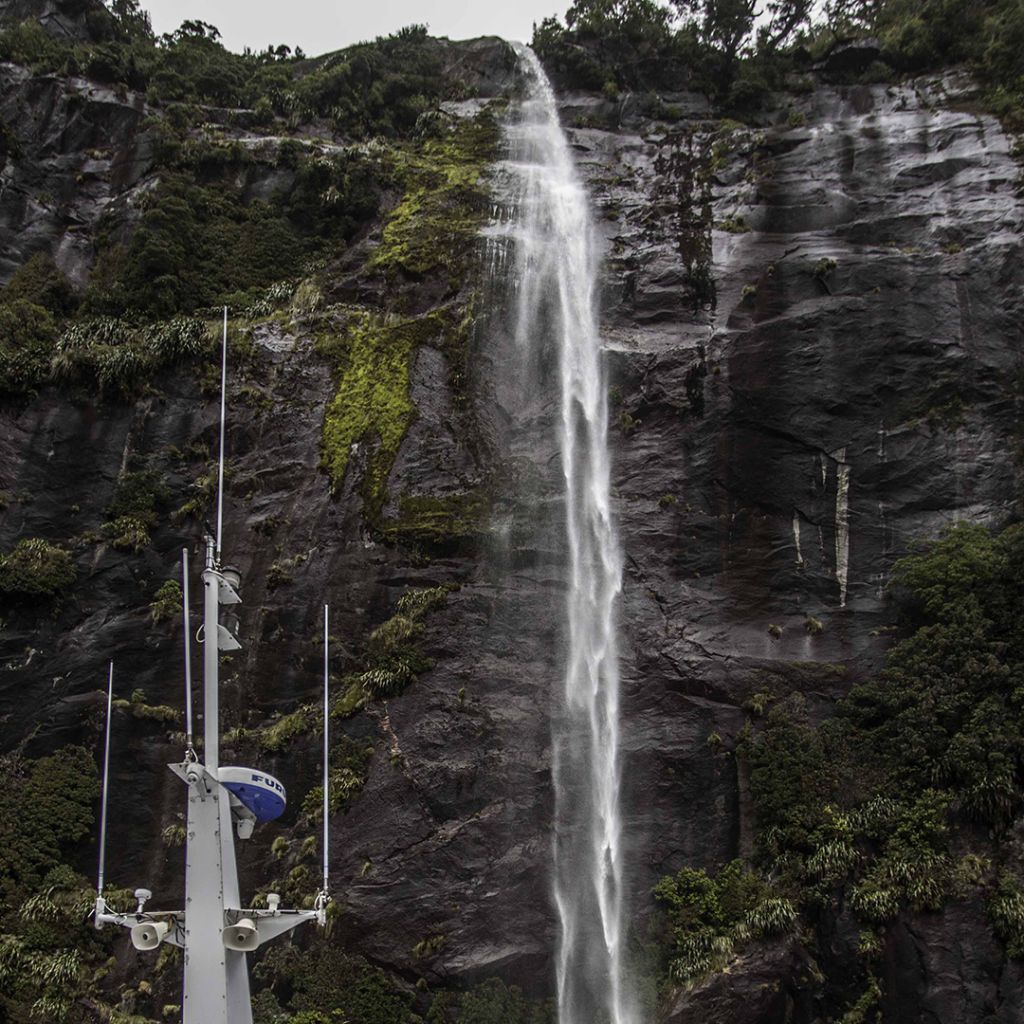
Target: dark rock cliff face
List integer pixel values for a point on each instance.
(63, 19)
(813, 336)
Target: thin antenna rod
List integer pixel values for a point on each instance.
(223, 414)
(327, 678)
(189, 749)
(106, 774)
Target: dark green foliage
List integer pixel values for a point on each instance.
(639, 44)
(36, 568)
(28, 43)
(494, 1002)
(27, 336)
(45, 808)
(951, 698)
(378, 88)
(878, 797)
(792, 777)
(618, 43)
(323, 979)
(1006, 910)
(332, 195)
(29, 303)
(375, 88)
(708, 916)
(40, 282)
(194, 244)
(200, 242)
(49, 953)
(986, 35)
(723, 47)
(133, 510)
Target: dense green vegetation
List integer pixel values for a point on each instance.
(50, 957)
(133, 510)
(323, 985)
(719, 46)
(880, 805)
(36, 569)
(709, 916)
(199, 237)
(201, 243)
(374, 88)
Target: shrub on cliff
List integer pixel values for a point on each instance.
(36, 568)
(45, 808)
(49, 954)
(27, 337)
(39, 281)
(323, 979)
(708, 916)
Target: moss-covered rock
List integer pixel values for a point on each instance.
(372, 403)
(442, 521)
(434, 225)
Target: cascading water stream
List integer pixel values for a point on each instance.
(557, 283)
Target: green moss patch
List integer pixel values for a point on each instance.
(444, 205)
(442, 521)
(372, 403)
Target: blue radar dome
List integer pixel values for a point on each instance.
(259, 792)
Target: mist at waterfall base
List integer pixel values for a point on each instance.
(556, 278)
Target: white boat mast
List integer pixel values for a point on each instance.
(214, 930)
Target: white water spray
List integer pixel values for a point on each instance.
(557, 282)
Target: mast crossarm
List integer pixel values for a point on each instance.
(272, 923)
(174, 919)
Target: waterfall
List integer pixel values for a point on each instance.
(556, 304)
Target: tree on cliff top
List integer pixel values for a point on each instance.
(645, 44)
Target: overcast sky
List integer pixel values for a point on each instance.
(319, 26)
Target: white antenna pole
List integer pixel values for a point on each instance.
(106, 775)
(327, 776)
(189, 748)
(223, 414)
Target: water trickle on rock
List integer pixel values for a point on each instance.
(557, 268)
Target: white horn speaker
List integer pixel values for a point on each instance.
(149, 934)
(241, 936)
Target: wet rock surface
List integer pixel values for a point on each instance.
(813, 335)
